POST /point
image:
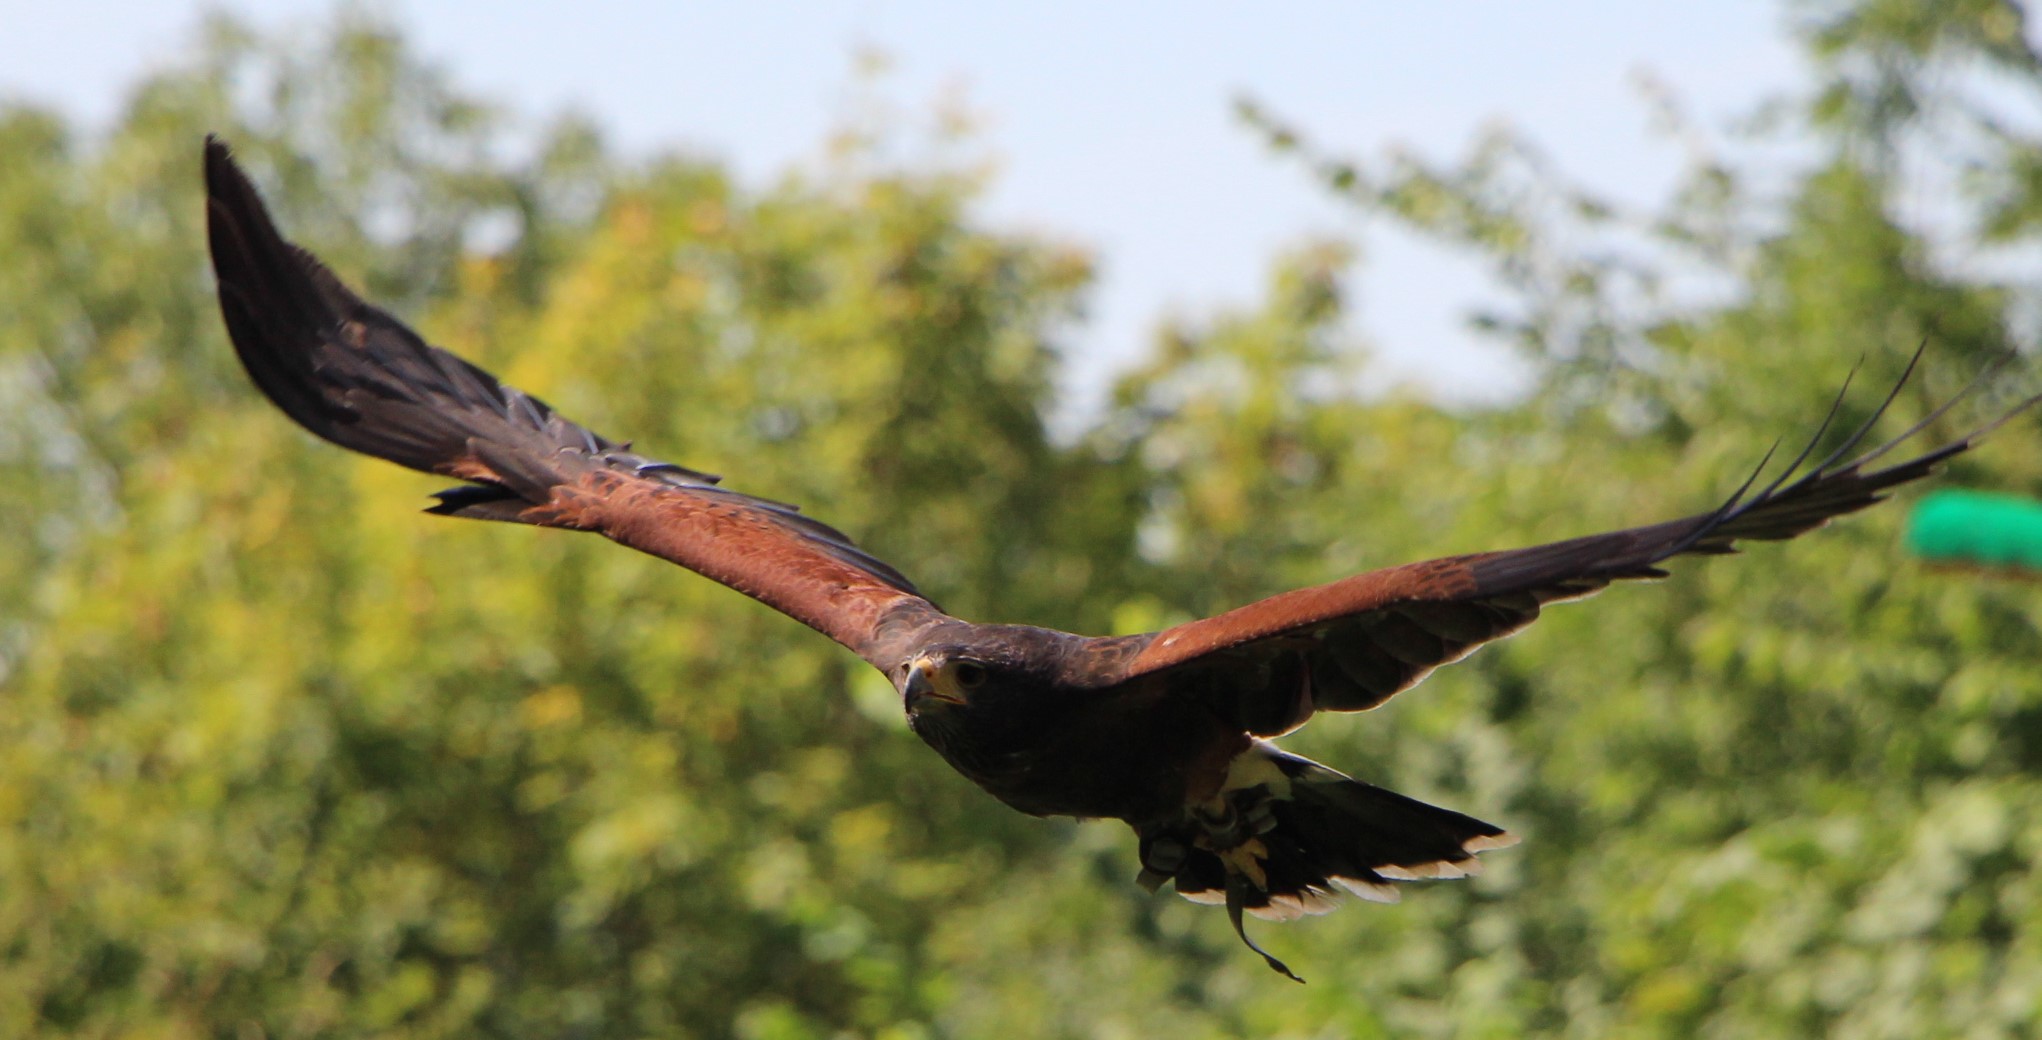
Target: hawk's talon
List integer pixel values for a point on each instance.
(1163, 855)
(1245, 860)
(1262, 818)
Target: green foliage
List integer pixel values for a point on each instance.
(283, 758)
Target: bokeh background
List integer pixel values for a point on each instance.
(280, 757)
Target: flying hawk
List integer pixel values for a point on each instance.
(1168, 731)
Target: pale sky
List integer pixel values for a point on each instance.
(1112, 123)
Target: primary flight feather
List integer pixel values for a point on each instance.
(1167, 731)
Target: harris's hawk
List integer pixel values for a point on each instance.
(1168, 731)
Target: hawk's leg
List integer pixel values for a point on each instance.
(1219, 840)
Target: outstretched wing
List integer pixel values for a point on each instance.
(358, 377)
(1352, 644)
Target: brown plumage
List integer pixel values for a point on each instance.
(1164, 731)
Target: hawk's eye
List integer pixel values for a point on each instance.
(970, 675)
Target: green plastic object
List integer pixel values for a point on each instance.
(1975, 528)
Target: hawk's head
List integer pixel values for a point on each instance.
(944, 678)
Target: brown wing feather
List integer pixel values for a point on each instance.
(358, 377)
(1352, 644)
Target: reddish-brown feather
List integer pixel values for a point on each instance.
(1352, 644)
(735, 545)
(358, 377)
(1286, 612)
(354, 375)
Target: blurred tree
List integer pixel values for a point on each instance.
(282, 761)
(1792, 795)
(281, 757)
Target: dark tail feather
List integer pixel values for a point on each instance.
(1296, 853)
(1360, 837)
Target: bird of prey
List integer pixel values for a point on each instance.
(1169, 731)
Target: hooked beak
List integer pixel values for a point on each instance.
(923, 685)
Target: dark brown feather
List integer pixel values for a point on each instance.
(358, 377)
